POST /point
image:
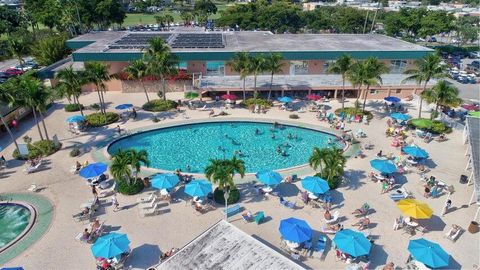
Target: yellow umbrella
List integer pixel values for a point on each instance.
(415, 209)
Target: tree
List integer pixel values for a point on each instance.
(255, 65)
(239, 64)
(222, 171)
(169, 20)
(372, 75)
(10, 20)
(50, 50)
(443, 95)
(427, 68)
(160, 20)
(160, 61)
(47, 12)
(341, 66)
(467, 29)
(109, 12)
(317, 158)
(136, 159)
(97, 73)
(355, 75)
(204, 8)
(70, 85)
(334, 166)
(137, 70)
(7, 97)
(273, 64)
(120, 167)
(187, 17)
(18, 46)
(436, 22)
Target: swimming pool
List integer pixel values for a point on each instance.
(192, 145)
(14, 219)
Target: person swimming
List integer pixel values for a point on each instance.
(284, 153)
(286, 144)
(329, 141)
(290, 136)
(187, 168)
(273, 136)
(279, 150)
(257, 131)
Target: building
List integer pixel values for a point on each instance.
(206, 57)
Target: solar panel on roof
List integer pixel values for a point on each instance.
(137, 41)
(210, 40)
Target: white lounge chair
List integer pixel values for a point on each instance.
(147, 205)
(453, 233)
(204, 108)
(334, 219)
(32, 169)
(146, 199)
(33, 188)
(107, 192)
(149, 211)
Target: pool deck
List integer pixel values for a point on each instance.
(178, 224)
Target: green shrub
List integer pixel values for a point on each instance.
(293, 116)
(332, 183)
(256, 101)
(38, 149)
(354, 111)
(130, 189)
(95, 107)
(73, 107)
(434, 126)
(159, 105)
(98, 119)
(233, 198)
(75, 152)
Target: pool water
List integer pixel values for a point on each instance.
(193, 145)
(13, 221)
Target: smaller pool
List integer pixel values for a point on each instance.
(14, 219)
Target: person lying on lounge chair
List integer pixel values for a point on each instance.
(362, 223)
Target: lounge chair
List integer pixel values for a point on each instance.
(259, 217)
(32, 169)
(147, 205)
(33, 188)
(147, 199)
(204, 108)
(327, 230)
(107, 192)
(453, 233)
(334, 219)
(362, 211)
(286, 203)
(320, 247)
(149, 211)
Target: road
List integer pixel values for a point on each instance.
(467, 91)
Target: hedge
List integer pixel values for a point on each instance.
(130, 189)
(38, 149)
(354, 111)
(159, 105)
(436, 127)
(73, 107)
(233, 197)
(98, 119)
(256, 101)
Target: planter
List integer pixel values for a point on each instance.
(473, 227)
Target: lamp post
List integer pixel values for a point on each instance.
(226, 195)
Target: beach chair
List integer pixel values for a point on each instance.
(259, 217)
(360, 133)
(286, 203)
(33, 188)
(397, 196)
(320, 247)
(365, 120)
(357, 119)
(33, 169)
(334, 219)
(362, 211)
(204, 108)
(453, 233)
(326, 230)
(147, 199)
(147, 205)
(232, 210)
(149, 211)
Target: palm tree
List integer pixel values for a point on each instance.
(342, 66)
(18, 47)
(120, 167)
(372, 75)
(442, 94)
(97, 73)
(427, 68)
(159, 19)
(237, 166)
(255, 65)
(355, 75)
(334, 166)
(217, 172)
(317, 158)
(43, 99)
(160, 61)
(70, 84)
(137, 71)
(239, 64)
(273, 64)
(7, 97)
(137, 158)
(168, 20)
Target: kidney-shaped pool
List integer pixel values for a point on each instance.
(261, 145)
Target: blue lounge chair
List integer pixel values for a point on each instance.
(259, 217)
(286, 203)
(232, 210)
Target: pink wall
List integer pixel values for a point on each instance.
(115, 67)
(315, 66)
(197, 66)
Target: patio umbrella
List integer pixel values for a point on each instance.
(93, 170)
(165, 181)
(415, 151)
(229, 96)
(285, 99)
(110, 245)
(75, 119)
(313, 97)
(400, 116)
(352, 242)
(383, 165)
(315, 184)
(269, 177)
(198, 188)
(428, 253)
(415, 209)
(392, 99)
(422, 123)
(295, 230)
(191, 95)
(123, 106)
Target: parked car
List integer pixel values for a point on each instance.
(4, 75)
(474, 55)
(475, 63)
(432, 39)
(14, 71)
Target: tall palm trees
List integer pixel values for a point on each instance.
(97, 73)
(255, 66)
(137, 70)
(427, 68)
(239, 64)
(373, 71)
(137, 158)
(222, 171)
(273, 64)
(316, 159)
(331, 162)
(341, 66)
(126, 164)
(160, 61)
(7, 97)
(442, 94)
(70, 83)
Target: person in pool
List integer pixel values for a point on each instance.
(279, 150)
(329, 141)
(273, 136)
(284, 153)
(286, 144)
(187, 168)
(290, 136)
(257, 131)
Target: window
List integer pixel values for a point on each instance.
(215, 68)
(182, 65)
(373, 92)
(397, 66)
(398, 91)
(298, 67)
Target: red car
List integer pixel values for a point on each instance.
(14, 71)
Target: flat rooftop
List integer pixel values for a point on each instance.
(225, 246)
(254, 41)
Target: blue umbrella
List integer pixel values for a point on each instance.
(198, 188)
(76, 119)
(352, 242)
(93, 170)
(295, 230)
(12, 268)
(400, 116)
(383, 166)
(165, 181)
(392, 99)
(123, 106)
(285, 99)
(428, 253)
(315, 184)
(415, 151)
(110, 245)
(269, 177)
